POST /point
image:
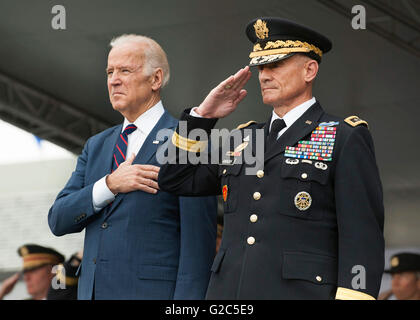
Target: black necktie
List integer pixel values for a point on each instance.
(276, 127)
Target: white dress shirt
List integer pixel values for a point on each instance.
(101, 195)
(294, 114)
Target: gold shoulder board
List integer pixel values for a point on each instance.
(355, 121)
(244, 125)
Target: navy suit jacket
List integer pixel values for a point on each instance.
(142, 246)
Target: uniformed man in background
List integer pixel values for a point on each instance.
(309, 223)
(405, 272)
(38, 263)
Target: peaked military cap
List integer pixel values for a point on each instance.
(403, 262)
(35, 256)
(276, 39)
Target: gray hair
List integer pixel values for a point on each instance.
(154, 55)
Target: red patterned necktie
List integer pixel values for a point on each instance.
(120, 149)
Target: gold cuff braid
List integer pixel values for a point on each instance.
(348, 294)
(188, 144)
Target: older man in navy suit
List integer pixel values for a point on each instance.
(140, 243)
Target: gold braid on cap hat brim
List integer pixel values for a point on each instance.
(284, 47)
(33, 260)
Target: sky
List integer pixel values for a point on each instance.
(18, 145)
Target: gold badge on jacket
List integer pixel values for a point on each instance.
(238, 150)
(303, 201)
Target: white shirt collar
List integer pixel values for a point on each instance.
(294, 114)
(146, 122)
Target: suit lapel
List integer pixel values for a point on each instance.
(153, 141)
(148, 150)
(301, 128)
(107, 150)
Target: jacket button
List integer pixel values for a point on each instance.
(104, 225)
(260, 174)
(253, 218)
(257, 196)
(318, 278)
(304, 176)
(250, 241)
(224, 171)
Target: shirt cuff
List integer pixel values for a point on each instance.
(101, 195)
(194, 114)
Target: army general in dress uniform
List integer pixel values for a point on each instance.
(308, 224)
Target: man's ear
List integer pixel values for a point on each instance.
(157, 79)
(311, 70)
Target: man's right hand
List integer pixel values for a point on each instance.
(131, 177)
(224, 99)
(8, 285)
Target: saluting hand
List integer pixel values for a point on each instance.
(8, 285)
(131, 177)
(224, 99)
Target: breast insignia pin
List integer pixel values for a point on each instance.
(303, 201)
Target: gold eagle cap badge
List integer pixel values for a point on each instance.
(24, 251)
(261, 30)
(395, 262)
